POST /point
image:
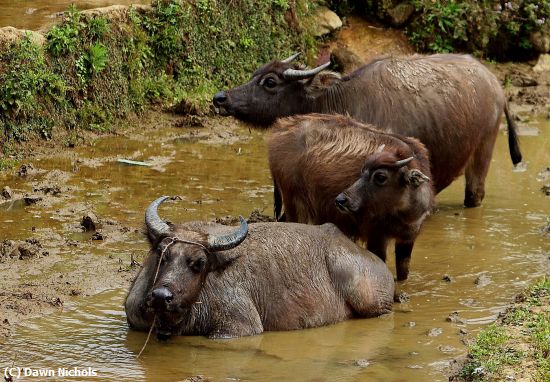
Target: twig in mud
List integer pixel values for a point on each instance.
(133, 261)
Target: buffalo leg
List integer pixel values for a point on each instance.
(245, 319)
(403, 252)
(477, 169)
(377, 244)
(367, 287)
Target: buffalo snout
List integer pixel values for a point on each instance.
(342, 202)
(219, 99)
(161, 298)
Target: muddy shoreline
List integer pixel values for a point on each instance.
(43, 271)
(21, 299)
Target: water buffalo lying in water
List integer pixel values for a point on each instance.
(215, 281)
(450, 102)
(373, 185)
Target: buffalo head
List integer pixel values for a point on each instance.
(388, 186)
(184, 260)
(277, 89)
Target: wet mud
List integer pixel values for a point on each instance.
(71, 242)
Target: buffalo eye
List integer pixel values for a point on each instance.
(269, 82)
(197, 265)
(380, 178)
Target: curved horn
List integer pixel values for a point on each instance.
(155, 225)
(402, 162)
(225, 242)
(301, 74)
(291, 58)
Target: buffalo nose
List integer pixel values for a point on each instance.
(219, 98)
(162, 294)
(341, 201)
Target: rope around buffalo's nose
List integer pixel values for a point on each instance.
(174, 239)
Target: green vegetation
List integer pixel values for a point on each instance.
(94, 68)
(491, 29)
(486, 28)
(521, 337)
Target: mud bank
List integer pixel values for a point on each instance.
(98, 67)
(516, 346)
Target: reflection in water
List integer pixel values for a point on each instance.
(499, 241)
(35, 14)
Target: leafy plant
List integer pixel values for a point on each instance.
(97, 27)
(91, 62)
(63, 39)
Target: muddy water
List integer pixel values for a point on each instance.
(35, 14)
(498, 244)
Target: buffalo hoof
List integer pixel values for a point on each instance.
(471, 200)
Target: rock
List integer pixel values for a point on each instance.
(410, 324)
(324, 21)
(400, 14)
(446, 278)
(483, 280)
(543, 63)
(454, 318)
(543, 174)
(10, 34)
(25, 170)
(48, 189)
(98, 236)
(196, 378)
(90, 222)
(345, 60)
(546, 189)
(434, 332)
(361, 363)
(29, 249)
(523, 81)
(7, 193)
(446, 348)
(31, 199)
(401, 297)
(463, 331)
(7, 248)
(541, 39)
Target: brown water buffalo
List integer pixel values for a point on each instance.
(450, 102)
(220, 281)
(372, 185)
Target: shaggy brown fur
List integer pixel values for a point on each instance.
(450, 102)
(314, 158)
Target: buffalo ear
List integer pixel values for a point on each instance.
(221, 260)
(324, 80)
(415, 177)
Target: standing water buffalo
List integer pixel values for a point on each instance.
(373, 185)
(451, 103)
(217, 281)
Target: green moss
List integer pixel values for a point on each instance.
(527, 326)
(7, 164)
(92, 70)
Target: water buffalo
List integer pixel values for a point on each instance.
(207, 279)
(450, 102)
(373, 185)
